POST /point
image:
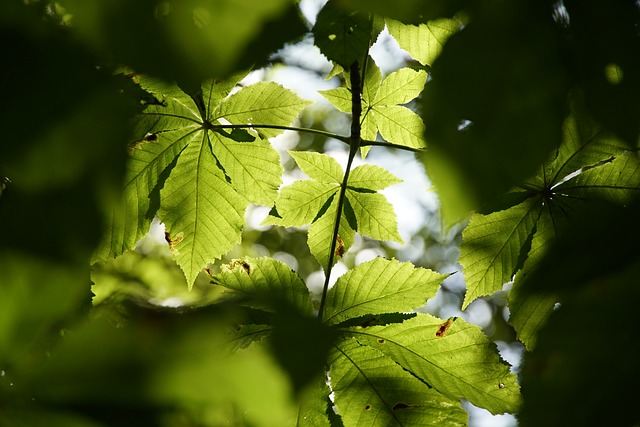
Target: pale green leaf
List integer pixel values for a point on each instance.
(300, 203)
(423, 42)
(371, 84)
(215, 91)
(129, 218)
(319, 167)
(400, 125)
(320, 235)
(202, 213)
(254, 168)
(452, 356)
(375, 216)
(380, 286)
(261, 279)
(372, 390)
(400, 87)
(372, 177)
(368, 127)
(492, 247)
(339, 97)
(263, 103)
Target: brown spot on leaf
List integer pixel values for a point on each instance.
(340, 249)
(398, 406)
(443, 328)
(173, 241)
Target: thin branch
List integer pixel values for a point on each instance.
(344, 139)
(354, 145)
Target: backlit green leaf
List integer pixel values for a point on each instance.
(380, 286)
(321, 234)
(265, 278)
(370, 389)
(423, 42)
(452, 356)
(300, 203)
(375, 215)
(318, 166)
(493, 246)
(202, 213)
(372, 177)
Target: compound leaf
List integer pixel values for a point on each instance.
(195, 166)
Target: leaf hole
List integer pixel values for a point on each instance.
(400, 405)
(367, 408)
(332, 37)
(381, 341)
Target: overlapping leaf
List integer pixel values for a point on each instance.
(371, 389)
(590, 164)
(423, 42)
(389, 370)
(382, 105)
(195, 168)
(380, 286)
(315, 202)
(452, 356)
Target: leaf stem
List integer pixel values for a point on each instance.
(354, 145)
(297, 129)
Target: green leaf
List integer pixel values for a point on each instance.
(488, 145)
(372, 177)
(128, 220)
(253, 168)
(529, 312)
(617, 181)
(318, 166)
(339, 97)
(374, 215)
(342, 37)
(189, 167)
(400, 87)
(399, 125)
(321, 234)
(301, 202)
(452, 356)
(423, 42)
(493, 247)
(261, 103)
(263, 281)
(202, 213)
(314, 406)
(380, 286)
(371, 389)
